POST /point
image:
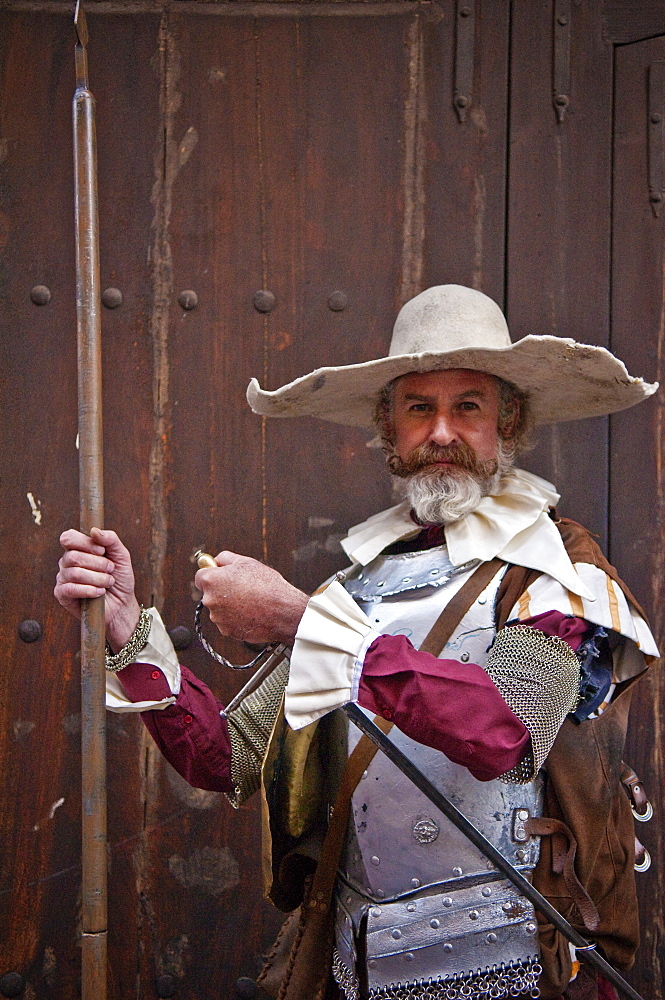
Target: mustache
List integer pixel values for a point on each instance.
(460, 455)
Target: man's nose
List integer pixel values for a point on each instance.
(442, 430)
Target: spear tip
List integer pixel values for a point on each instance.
(81, 24)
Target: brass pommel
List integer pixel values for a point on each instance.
(203, 560)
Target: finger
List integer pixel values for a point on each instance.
(79, 575)
(65, 592)
(73, 557)
(226, 558)
(204, 577)
(113, 546)
(73, 539)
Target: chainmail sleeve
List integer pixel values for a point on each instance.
(538, 677)
(250, 726)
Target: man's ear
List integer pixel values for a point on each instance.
(508, 431)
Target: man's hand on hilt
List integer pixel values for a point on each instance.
(250, 601)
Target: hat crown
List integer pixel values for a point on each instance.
(448, 318)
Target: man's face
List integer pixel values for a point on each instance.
(455, 409)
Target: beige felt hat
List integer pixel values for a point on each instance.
(450, 326)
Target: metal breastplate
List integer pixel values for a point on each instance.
(425, 905)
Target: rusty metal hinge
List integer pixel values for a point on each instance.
(561, 58)
(465, 36)
(655, 130)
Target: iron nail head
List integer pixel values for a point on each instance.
(40, 295)
(188, 299)
(264, 300)
(112, 298)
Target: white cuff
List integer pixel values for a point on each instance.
(328, 655)
(158, 651)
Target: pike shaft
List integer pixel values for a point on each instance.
(525, 887)
(93, 745)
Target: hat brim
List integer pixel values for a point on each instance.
(565, 381)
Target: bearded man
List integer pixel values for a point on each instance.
(493, 635)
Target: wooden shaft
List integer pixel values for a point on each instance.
(93, 743)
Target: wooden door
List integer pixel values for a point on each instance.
(275, 180)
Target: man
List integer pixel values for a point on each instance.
(537, 629)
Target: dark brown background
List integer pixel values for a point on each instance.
(302, 148)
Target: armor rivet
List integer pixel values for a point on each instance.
(473, 915)
(375, 860)
(434, 923)
(482, 600)
(376, 911)
(457, 871)
(415, 882)
(520, 855)
(487, 891)
(491, 938)
(507, 907)
(408, 957)
(434, 572)
(364, 774)
(447, 947)
(407, 579)
(381, 583)
(396, 933)
(411, 907)
(523, 813)
(372, 963)
(464, 657)
(447, 901)
(380, 893)
(531, 928)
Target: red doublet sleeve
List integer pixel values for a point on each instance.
(191, 733)
(451, 706)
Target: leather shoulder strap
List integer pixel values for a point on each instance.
(458, 606)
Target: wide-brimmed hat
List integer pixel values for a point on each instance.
(450, 326)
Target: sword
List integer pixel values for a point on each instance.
(585, 948)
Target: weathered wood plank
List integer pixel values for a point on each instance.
(558, 228)
(465, 162)
(637, 477)
(40, 903)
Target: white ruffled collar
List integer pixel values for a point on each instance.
(513, 524)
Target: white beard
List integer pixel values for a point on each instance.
(440, 496)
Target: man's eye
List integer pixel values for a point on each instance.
(419, 407)
(469, 405)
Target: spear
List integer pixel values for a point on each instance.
(91, 492)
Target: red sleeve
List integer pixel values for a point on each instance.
(191, 733)
(452, 706)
